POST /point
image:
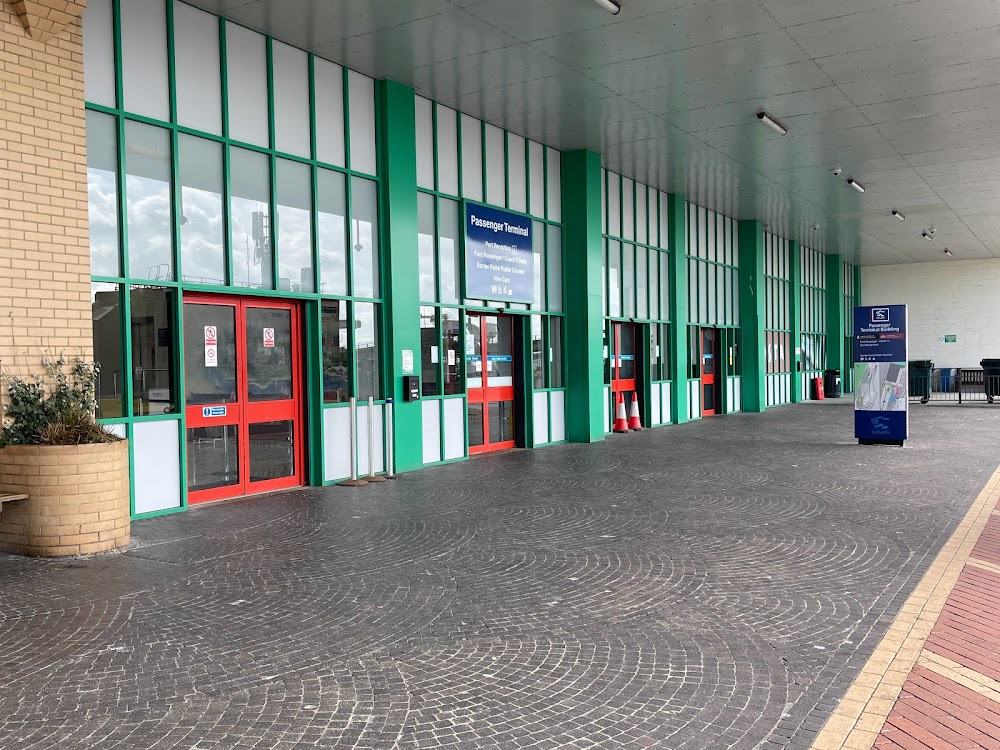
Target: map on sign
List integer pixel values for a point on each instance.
(880, 386)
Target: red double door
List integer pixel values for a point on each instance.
(709, 372)
(242, 362)
(490, 364)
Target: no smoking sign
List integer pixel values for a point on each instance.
(269, 338)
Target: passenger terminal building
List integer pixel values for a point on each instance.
(246, 235)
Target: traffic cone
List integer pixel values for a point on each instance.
(634, 421)
(621, 422)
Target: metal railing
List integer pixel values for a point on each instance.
(956, 385)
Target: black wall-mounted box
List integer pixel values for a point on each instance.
(411, 388)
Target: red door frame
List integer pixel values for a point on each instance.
(709, 340)
(488, 394)
(244, 412)
(624, 386)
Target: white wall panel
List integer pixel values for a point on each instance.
(425, 143)
(361, 96)
(654, 404)
(454, 428)
(694, 399)
(536, 178)
(144, 58)
(328, 83)
(157, 465)
(496, 179)
(554, 184)
(516, 176)
(198, 69)
(666, 403)
(246, 71)
(472, 158)
(540, 416)
(447, 150)
(431, 413)
(557, 408)
(291, 100)
(121, 430)
(336, 449)
(99, 53)
(607, 410)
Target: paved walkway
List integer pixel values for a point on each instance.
(716, 585)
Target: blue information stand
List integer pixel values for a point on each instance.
(881, 375)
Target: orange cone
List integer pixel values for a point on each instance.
(634, 421)
(621, 421)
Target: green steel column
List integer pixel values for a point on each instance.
(397, 151)
(795, 311)
(583, 279)
(857, 294)
(677, 346)
(752, 355)
(835, 314)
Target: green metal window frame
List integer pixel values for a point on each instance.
(465, 305)
(812, 299)
(777, 300)
(726, 274)
(312, 301)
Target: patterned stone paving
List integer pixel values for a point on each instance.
(716, 585)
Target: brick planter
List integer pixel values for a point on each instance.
(78, 499)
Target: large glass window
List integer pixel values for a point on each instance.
(250, 217)
(364, 237)
(430, 352)
(614, 279)
(332, 232)
(295, 266)
(105, 305)
(366, 347)
(425, 247)
(152, 314)
(148, 190)
(102, 193)
(537, 351)
(451, 334)
(203, 252)
(556, 378)
(448, 266)
(554, 252)
(336, 348)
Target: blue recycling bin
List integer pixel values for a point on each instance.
(949, 379)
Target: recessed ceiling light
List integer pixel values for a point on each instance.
(855, 184)
(610, 5)
(815, 227)
(898, 215)
(776, 126)
(932, 229)
(947, 252)
(837, 171)
(926, 235)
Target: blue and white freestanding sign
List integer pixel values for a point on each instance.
(881, 375)
(499, 264)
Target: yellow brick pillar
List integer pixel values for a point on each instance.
(44, 246)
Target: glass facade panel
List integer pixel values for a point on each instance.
(102, 194)
(538, 258)
(430, 352)
(269, 354)
(199, 80)
(472, 158)
(451, 337)
(554, 255)
(496, 184)
(556, 373)
(150, 209)
(448, 264)
(425, 247)
(203, 251)
(628, 280)
(152, 323)
(366, 347)
(250, 219)
(537, 351)
(516, 182)
(105, 304)
(332, 232)
(614, 279)
(328, 96)
(425, 143)
(336, 348)
(295, 247)
(641, 283)
(364, 237)
(99, 53)
(361, 92)
(447, 150)
(144, 57)
(291, 100)
(246, 71)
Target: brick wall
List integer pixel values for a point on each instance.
(951, 297)
(44, 249)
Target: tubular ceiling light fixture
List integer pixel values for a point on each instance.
(776, 126)
(855, 184)
(898, 215)
(611, 6)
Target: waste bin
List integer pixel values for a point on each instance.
(949, 380)
(991, 378)
(831, 383)
(920, 379)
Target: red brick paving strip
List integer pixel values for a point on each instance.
(934, 712)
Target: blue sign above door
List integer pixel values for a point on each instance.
(499, 264)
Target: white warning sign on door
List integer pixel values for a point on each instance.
(269, 338)
(211, 346)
